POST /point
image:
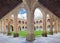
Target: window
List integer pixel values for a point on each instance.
(36, 21)
(23, 27)
(19, 21)
(26, 27)
(48, 26)
(40, 21)
(23, 22)
(48, 20)
(40, 26)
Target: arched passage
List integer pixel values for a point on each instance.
(38, 18)
(11, 28)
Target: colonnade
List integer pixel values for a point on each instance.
(30, 24)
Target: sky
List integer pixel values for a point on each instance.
(23, 13)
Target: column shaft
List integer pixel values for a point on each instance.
(51, 25)
(16, 25)
(4, 26)
(1, 26)
(30, 27)
(58, 25)
(44, 26)
(55, 25)
(9, 27)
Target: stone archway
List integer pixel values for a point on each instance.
(38, 16)
(37, 5)
(11, 28)
(19, 28)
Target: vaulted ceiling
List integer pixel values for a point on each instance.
(8, 5)
(52, 5)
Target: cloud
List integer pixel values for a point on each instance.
(37, 14)
(22, 16)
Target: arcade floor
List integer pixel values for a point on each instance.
(50, 39)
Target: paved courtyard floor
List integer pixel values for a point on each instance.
(50, 39)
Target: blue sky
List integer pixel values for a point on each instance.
(22, 11)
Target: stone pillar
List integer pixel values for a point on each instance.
(9, 33)
(44, 26)
(16, 25)
(51, 25)
(30, 27)
(4, 26)
(1, 25)
(58, 25)
(55, 25)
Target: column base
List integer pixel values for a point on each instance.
(8, 34)
(51, 33)
(16, 35)
(1, 32)
(30, 37)
(4, 32)
(44, 34)
(55, 32)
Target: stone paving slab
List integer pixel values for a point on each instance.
(50, 39)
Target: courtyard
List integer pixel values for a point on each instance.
(24, 33)
(30, 21)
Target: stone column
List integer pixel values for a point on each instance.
(30, 27)
(4, 26)
(58, 25)
(51, 25)
(1, 25)
(9, 33)
(16, 25)
(55, 25)
(44, 26)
